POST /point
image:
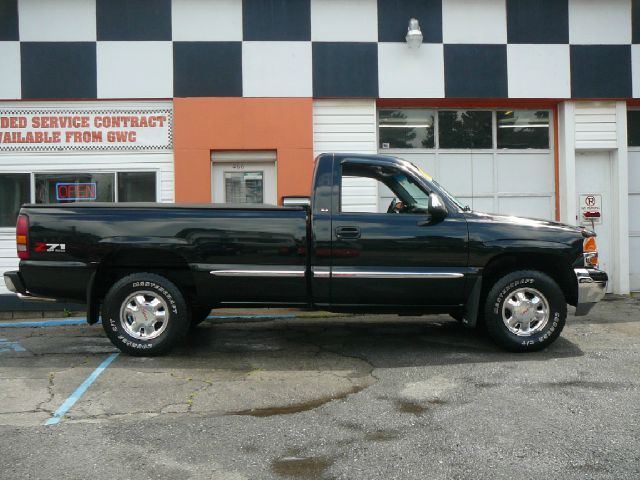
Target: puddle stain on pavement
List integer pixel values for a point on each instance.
(407, 406)
(297, 407)
(301, 467)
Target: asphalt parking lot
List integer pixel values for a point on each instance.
(336, 398)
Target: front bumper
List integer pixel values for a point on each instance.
(14, 283)
(592, 285)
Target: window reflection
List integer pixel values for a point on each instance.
(464, 129)
(406, 128)
(14, 191)
(523, 129)
(633, 128)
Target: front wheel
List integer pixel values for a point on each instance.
(525, 311)
(144, 314)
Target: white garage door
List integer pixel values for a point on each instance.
(497, 161)
(633, 129)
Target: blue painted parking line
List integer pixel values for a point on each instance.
(75, 396)
(44, 323)
(60, 322)
(7, 346)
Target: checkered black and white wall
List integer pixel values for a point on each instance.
(320, 48)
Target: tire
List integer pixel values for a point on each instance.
(525, 311)
(198, 315)
(128, 326)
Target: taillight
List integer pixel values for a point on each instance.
(22, 237)
(590, 249)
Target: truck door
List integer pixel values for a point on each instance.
(399, 255)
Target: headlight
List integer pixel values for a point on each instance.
(590, 252)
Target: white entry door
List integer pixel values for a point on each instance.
(593, 179)
(244, 177)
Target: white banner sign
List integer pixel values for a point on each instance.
(64, 129)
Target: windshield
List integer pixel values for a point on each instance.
(442, 190)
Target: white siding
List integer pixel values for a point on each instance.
(348, 126)
(8, 256)
(595, 125)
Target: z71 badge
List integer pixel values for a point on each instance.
(50, 247)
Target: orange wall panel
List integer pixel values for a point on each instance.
(202, 125)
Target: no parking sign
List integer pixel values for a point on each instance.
(590, 208)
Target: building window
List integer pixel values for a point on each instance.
(136, 187)
(465, 129)
(406, 128)
(523, 129)
(14, 191)
(633, 128)
(418, 128)
(74, 187)
(66, 187)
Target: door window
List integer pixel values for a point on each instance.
(244, 187)
(404, 193)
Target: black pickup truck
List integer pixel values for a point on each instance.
(154, 270)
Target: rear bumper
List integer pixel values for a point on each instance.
(14, 283)
(592, 285)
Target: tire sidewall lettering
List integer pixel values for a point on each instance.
(511, 286)
(499, 294)
(161, 290)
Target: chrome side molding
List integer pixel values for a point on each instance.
(346, 272)
(257, 273)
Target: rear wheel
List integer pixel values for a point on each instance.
(525, 311)
(144, 314)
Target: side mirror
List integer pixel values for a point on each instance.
(437, 208)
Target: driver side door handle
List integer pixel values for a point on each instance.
(348, 232)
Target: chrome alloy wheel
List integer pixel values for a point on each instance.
(144, 315)
(525, 312)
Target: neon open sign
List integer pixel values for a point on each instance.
(76, 191)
